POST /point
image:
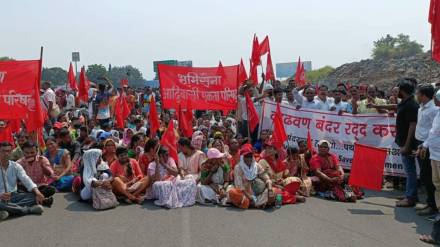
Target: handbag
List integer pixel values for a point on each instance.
(103, 199)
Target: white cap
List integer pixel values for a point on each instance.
(267, 86)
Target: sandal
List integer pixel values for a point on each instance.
(405, 203)
(428, 239)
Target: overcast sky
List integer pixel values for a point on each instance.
(138, 32)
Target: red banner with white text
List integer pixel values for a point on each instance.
(19, 88)
(208, 88)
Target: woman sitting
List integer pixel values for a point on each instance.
(109, 151)
(148, 156)
(252, 186)
(129, 181)
(190, 160)
(91, 160)
(332, 182)
(297, 167)
(136, 147)
(168, 188)
(61, 163)
(214, 178)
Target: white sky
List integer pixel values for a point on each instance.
(137, 32)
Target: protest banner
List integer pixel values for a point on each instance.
(342, 131)
(208, 88)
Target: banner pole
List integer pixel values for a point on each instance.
(39, 82)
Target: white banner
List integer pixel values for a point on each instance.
(342, 131)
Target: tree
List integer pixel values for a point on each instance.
(390, 47)
(319, 74)
(95, 71)
(129, 72)
(56, 75)
(6, 59)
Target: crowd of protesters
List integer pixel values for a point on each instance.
(222, 163)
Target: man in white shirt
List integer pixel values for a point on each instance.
(70, 101)
(308, 100)
(338, 105)
(427, 112)
(49, 100)
(323, 101)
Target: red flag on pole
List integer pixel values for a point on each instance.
(35, 119)
(367, 167)
(255, 56)
(71, 78)
(309, 143)
(264, 46)
(434, 19)
(299, 75)
(84, 84)
(184, 124)
(279, 135)
(253, 73)
(242, 76)
(270, 76)
(153, 117)
(189, 112)
(169, 139)
(302, 75)
(122, 110)
(124, 82)
(253, 119)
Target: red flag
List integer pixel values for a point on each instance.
(253, 119)
(153, 117)
(84, 84)
(184, 124)
(35, 119)
(242, 76)
(71, 78)
(169, 139)
(6, 134)
(189, 112)
(124, 82)
(309, 143)
(279, 135)
(270, 76)
(300, 73)
(434, 19)
(264, 46)
(367, 167)
(253, 73)
(255, 56)
(122, 110)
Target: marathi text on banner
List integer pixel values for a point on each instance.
(342, 131)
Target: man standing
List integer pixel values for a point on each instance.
(425, 118)
(364, 106)
(308, 100)
(12, 202)
(103, 102)
(49, 101)
(339, 105)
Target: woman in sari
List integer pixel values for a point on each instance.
(297, 167)
(214, 178)
(91, 160)
(148, 156)
(190, 160)
(126, 137)
(252, 186)
(109, 151)
(168, 188)
(136, 147)
(62, 165)
(197, 140)
(332, 181)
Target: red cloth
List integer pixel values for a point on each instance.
(169, 139)
(300, 77)
(264, 46)
(185, 125)
(434, 19)
(213, 88)
(242, 76)
(279, 135)
(153, 117)
(270, 75)
(367, 167)
(253, 119)
(71, 79)
(84, 84)
(119, 171)
(122, 110)
(6, 134)
(309, 142)
(253, 72)
(256, 56)
(221, 70)
(124, 82)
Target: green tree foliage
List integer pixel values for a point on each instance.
(95, 71)
(6, 58)
(319, 74)
(56, 75)
(129, 72)
(389, 47)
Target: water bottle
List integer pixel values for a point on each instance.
(278, 200)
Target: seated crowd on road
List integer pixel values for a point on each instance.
(82, 151)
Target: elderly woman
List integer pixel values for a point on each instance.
(91, 159)
(332, 181)
(61, 163)
(168, 188)
(214, 178)
(297, 167)
(252, 186)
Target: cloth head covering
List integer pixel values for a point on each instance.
(214, 153)
(197, 140)
(125, 138)
(246, 149)
(250, 173)
(105, 136)
(267, 86)
(90, 157)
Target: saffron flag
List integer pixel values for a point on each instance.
(71, 79)
(19, 88)
(212, 88)
(367, 167)
(252, 113)
(434, 19)
(242, 76)
(270, 76)
(84, 84)
(169, 140)
(154, 118)
(279, 135)
(264, 46)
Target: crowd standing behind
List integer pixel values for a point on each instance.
(222, 163)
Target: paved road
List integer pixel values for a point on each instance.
(370, 222)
